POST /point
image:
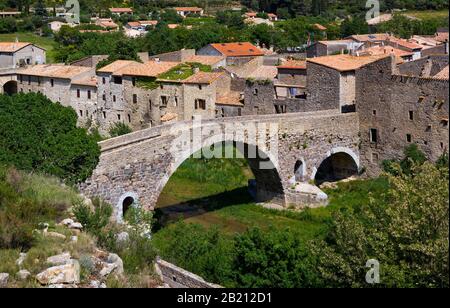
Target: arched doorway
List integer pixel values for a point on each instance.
(10, 87)
(336, 167)
(126, 204)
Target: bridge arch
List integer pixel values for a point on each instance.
(126, 200)
(339, 163)
(269, 185)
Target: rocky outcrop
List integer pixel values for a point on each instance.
(63, 274)
(4, 280)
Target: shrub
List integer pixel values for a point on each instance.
(119, 129)
(93, 220)
(39, 135)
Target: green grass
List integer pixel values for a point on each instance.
(45, 42)
(183, 71)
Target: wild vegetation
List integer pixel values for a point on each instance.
(242, 244)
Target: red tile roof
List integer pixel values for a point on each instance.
(244, 49)
(121, 10)
(344, 62)
(404, 43)
(319, 27)
(294, 64)
(13, 46)
(188, 9)
(443, 74)
(203, 77)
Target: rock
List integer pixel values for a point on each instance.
(21, 259)
(23, 274)
(60, 259)
(67, 222)
(95, 284)
(62, 274)
(62, 286)
(116, 260)
(4, 280)
(107, 269)
(76, 225)
(74, 238)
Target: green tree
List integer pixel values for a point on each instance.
(406, 231)
(119, 129)
(39, 135)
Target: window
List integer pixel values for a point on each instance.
(81, 113)
(239, 111)
(164, 101)
(421, 99)
(428, 129)
(255, 91)
(39, 81)
(134, 98)
(104, 114)
(104, 96)
(52, 82)
(133, 81)
(29, 79)
(21, 78)
(374, 112)
(200, 104)
(442, 145)
(444, 122)
(176, 101)
(373, 135)
(103, 80)
(129, 118)
(117, 80)
(118, 117)
(78, 92)
(199, 86)
(408, 137)
(411, 115)
(114, 98)
(89, 94)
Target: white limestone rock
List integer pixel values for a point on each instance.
(62, 274)
(23, 274)
(60, 259)
(4, 280)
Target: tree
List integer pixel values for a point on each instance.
(119, 129)
(406, 231)
(39, 9)
(171, 17)
(39, 135)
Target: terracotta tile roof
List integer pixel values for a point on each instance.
(388, 50)
(115, 66)
(188, 9)
(90, 81)
(108, 24)
(120, 10)
(168, 117)
(148, 22)
(147, 69)
(294, 64)
(244, 49)
(173, 26)
(319, 27)
(134, 24)
(96, 31)
(370, 37)
(404, 43)
(344, 62)
(425, 41)
(272, 15)
(203, 77)
(250, 14)
(264, 72)
(207, 60)
(443, 74)
(54, 70)
(442, 37)
(231, 99)
(12, 46)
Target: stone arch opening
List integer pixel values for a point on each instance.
(126, 204)
(10, 87)
(266, 185)
(126, 201)
(300, 171)
(337, 166)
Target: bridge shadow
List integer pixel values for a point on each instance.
(196, 207)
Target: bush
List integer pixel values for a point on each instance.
(93, 220)
(39, 135)
(119, 129)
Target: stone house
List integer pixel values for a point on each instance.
(326, 48)
(186, 11)
(119, 11)
(19, 54)
(235, 53)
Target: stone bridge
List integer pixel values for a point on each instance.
(289, 148)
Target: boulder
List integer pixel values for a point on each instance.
(67, 222)
(117, 261)
(21, 259)
(63, 274)
(74, 238)
(60, 259)
(4, 280)
(23, 274)
(95, 284)
(107, 269)
(76, 225)
(55, 235)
